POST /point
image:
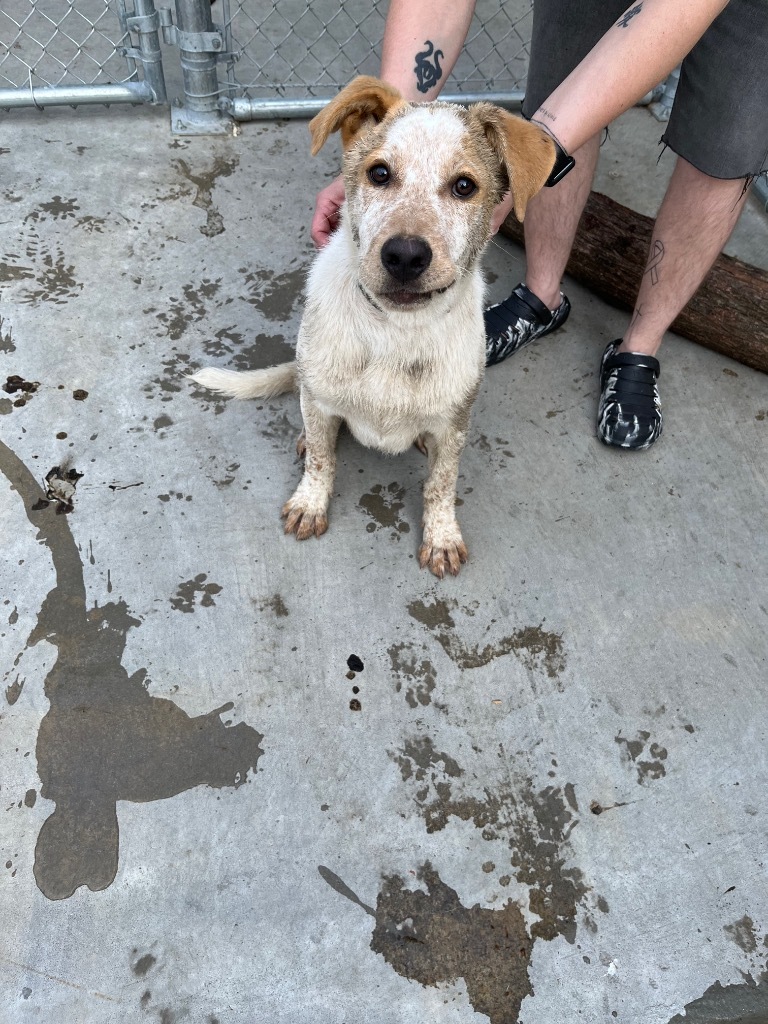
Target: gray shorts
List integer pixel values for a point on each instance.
(719, 120)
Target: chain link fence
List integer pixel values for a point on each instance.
(49, 43)
(287, 51)
(247, 58)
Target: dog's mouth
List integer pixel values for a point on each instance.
(404, 298)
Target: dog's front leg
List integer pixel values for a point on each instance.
(306, 513)
(442, 547)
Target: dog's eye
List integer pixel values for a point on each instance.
(379, 174)
(463, 188)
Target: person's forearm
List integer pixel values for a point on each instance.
(635, 54)
(422, 42)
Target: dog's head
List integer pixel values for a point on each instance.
(421, 183)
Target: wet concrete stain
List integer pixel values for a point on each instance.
(730, 1004)
(652, 765)
(204, 183)
(52, 276)
(384, 505)
(429, 936)
(419, 674)
(743, 933)
(186, 596)
(276, 295)
(143, 964)
(13, 690)
(182, 313)
(535, 647)
(6, 338)
(536, 825)
(105, 738)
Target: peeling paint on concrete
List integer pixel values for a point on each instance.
(104, 737)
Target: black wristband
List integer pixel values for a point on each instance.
(564, 162)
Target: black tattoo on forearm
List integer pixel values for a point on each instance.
(655, 258)
(547, 114)
(427, 74)
(625, 19)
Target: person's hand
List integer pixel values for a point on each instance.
(500, 213)
(327, 206)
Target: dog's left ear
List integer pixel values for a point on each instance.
(364, 101)
(525, 151)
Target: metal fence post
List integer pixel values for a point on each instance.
(145, 22)
(199, 43)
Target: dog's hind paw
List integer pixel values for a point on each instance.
(303, 522)
(440, 560)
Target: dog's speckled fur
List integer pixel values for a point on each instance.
(400, 361)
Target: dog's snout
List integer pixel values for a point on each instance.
(406, 257)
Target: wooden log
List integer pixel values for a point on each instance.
(729, 312)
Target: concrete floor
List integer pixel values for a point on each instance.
(550, 804)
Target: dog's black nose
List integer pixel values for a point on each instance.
(406, 257)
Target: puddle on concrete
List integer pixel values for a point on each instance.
(105, 738)
(732, 1004)
(430, 937)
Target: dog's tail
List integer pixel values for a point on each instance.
(275, 380)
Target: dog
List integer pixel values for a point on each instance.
(392, 341)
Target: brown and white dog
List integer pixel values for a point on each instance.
(392, 340)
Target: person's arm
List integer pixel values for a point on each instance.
(422, 42)
(634, 55)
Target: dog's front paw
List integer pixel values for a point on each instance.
(441, 555)
(304, 519)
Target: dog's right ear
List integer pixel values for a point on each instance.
(364, 101)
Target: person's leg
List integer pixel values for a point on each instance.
(694, 222)
(551, 220)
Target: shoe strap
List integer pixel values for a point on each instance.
(522, 302)
(632, 359)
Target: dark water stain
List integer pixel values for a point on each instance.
(384, 505)
(652, 766)
(104, 737)
(30, 798)
(536, 825)
(266, 350)
(54, 278)
(743, 933)
(204, 183)
(432, 938)
(144, 964)
(13, 692)
(276, 295)
(279, 429)
(536, 648)
(6, 338)
(184, 600)
(420, 675)
(181, 313)
(732, 1004)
